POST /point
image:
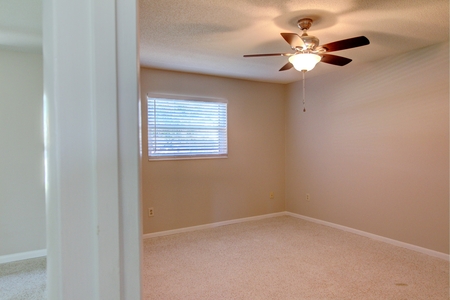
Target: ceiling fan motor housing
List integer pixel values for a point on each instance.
(311, 42)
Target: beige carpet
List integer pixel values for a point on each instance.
(23, 280)
(277, 258)
(286, 258)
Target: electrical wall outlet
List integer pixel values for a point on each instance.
(308, 197)
(272, 195)
(151, 212)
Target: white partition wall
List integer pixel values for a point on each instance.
(92, 149)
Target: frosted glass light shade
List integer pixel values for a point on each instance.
(304, 61)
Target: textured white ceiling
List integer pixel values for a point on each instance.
(21, 25)
(211, 36)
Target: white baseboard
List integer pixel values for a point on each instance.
(286, 213)
(374, 236)
(211, 225)
(22, 256)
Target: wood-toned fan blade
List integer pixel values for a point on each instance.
(293, 39)
(346, 44)
(287, 67)
(335, 60)
(267, 54)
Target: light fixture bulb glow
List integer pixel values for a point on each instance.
(304, 61)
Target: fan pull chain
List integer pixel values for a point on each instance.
(304, 108)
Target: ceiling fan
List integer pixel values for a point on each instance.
(308, 52)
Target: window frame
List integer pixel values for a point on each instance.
(184, 98)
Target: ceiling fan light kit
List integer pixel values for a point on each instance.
(304, 62)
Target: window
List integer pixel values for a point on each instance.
(186, 128)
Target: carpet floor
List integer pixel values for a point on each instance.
(277, 258)
(23, 280)
(286, 258)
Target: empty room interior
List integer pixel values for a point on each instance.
(340, 156)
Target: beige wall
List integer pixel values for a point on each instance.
(373, 148)
(193, 192)
(22, 196)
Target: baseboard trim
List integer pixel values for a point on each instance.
(318, 221)
(22, 255)
(211, 225)
(374, 236)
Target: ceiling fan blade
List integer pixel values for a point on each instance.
(346, 44)
(335, 60)
(293, 39)
(267, 54)
(286, 67)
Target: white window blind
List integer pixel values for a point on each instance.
(186, 128)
